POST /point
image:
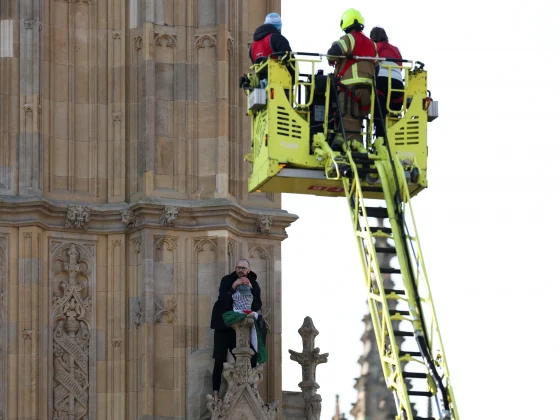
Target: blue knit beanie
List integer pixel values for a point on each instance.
(274, 19)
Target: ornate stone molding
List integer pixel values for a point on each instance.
(205, 41)
(78, 217)
(137, 243)
(137, 312)
(170, 242)
(243, 381)
(107, 218)
(129, 218)
(264, 223)
(138, 42)
(116, 342)
(26, 334)
(165, 40)
(258, 251)
(309, 358)
(29, 23)
(169, 216)
(232, 251)
(72, 325)
(167, 310)
(230, 44)
(199, 245)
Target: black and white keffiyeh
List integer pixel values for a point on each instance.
(242, 298)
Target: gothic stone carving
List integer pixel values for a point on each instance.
(137, 312)
(167, 40)
(167, 309)
(72, 315)
(129, 218)
(138, 42)
(169, 216)
(264, 223)
(242, 382)
(205, 41)
(78, 217)
(309, 358)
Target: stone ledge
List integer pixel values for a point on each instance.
(201, 215)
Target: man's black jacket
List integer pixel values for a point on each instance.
(225, 301)
(278, 42)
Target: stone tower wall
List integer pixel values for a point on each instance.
(123, 202)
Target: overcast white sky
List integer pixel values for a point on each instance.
(488, 221)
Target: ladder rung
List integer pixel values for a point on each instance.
(403, 333)
(414, 375)
(363, 156)
(386, 249)
(377, 212)
(372, 189)
(364, 162)
(364, 171)
(396, 291)
(410, 353)
(420, 393)
(383, 229)
(398, 311)
(389, 270)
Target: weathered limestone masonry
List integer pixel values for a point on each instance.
(123, 203)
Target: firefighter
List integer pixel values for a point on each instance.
(354, 78)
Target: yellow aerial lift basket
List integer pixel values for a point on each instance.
(291, 136)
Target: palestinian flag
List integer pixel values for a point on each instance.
(231, 317)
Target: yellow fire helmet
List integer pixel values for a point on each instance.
(351, 19)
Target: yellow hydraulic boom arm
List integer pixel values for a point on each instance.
(294, 118)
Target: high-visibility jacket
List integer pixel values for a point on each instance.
(351, 71)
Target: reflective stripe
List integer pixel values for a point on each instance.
(357, 80)
(352, 42)
(343, 46)
(355, 74)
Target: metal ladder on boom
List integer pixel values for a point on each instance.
(406, 330)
